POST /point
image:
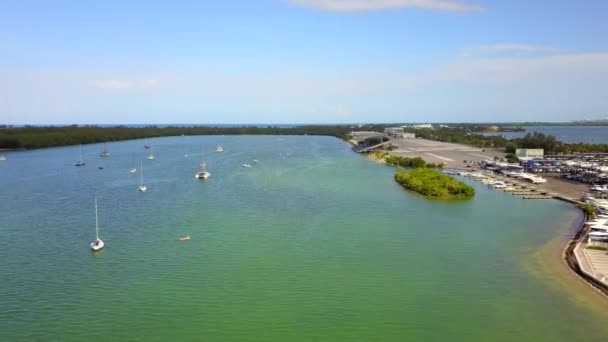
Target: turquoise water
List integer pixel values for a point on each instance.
(567, 134)
(314, 242)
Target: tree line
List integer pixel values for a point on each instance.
(31, 137)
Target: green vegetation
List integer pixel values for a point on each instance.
(511, 158)
(587, 208)
(30, 137)
(405, 162)
(434, 184)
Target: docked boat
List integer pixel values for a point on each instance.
(202, 173)
(599, 188)
(142, 186)
(105, 152)
(219, 149)
(80, 162)
(498, 185)
(96, 244)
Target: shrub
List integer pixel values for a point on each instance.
(434, 184)
(587, 208)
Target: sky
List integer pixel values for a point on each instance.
(302, 61)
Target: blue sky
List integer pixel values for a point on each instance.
(302, 61)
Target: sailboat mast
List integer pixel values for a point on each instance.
(142, 173)
(80, 152)
(96, 221)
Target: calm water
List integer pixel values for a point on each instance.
(567, 134)
(313, 243)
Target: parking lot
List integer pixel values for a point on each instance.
(437, 152)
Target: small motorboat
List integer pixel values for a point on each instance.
(255, 161)
(184, 238)
(219, 149)
(4, 158)
(151, 157)
(247, 165)
(133, 170)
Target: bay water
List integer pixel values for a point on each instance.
(313, 242)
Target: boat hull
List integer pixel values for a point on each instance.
(96, 245)
(202, 175)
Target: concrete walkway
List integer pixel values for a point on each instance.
(592, 262)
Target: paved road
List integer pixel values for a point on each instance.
(439, 152)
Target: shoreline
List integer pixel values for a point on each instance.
(567, 255)
(570, 259)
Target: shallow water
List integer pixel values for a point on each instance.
(314, 242)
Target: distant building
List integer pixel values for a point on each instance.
(530, 153)
(423, 126)
(393, 131)
(397, 132)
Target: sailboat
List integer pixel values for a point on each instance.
(96, 244)
(146, 146)
(151, 156)
(219, 149)
(142, 186)
(105, 152)
(202, 174)
(80, 162)
(133, 169)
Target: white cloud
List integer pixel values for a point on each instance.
(112, 84)
(150, 83)
(116, 84)
(505, 49)
(379, 5)
(515, 48)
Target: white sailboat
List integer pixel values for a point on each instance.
(202, 173)
(105, 152)
(142, 186)
(133, 169)
(80, 162)
(96, 244)
(151, 156)
(219, 149)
